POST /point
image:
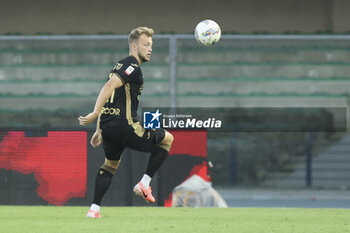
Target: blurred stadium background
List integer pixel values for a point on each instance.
(296, 54)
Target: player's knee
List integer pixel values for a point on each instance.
(169, 139)
(111, 165)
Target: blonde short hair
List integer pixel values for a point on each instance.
(137, 32)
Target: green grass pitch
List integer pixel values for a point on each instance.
(47, 219)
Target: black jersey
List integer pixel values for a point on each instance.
(122, 106)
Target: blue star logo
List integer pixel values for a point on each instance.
(151, 120)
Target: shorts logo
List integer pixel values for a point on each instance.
(151, 120)
(129, 70)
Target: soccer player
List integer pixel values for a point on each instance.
(117, 126)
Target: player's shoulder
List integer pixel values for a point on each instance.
(128, 65)
(129, 61)
(126, 68)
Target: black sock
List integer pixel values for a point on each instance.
(156, 160)
(102, 183)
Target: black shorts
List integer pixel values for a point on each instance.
(116, 138)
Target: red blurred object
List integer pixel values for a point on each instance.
(191, 143)
(58, 162)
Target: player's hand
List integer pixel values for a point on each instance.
(96, 139)
(89, 118)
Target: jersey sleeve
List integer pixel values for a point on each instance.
(127, 72)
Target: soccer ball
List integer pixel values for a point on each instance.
(207, 32)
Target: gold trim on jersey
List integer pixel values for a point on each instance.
(138, 129)
(112, 95)
(128, 103)
(117, 66)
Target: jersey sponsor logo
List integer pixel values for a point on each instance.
(111, 111)
(134, 65)
(129, 70)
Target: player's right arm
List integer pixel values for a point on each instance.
(113, 83)
(96, 138)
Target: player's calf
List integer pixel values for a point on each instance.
(102, 183)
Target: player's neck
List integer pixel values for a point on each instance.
(137, 57)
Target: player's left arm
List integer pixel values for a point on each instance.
(113, 83)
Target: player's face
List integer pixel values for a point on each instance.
(144, 47)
